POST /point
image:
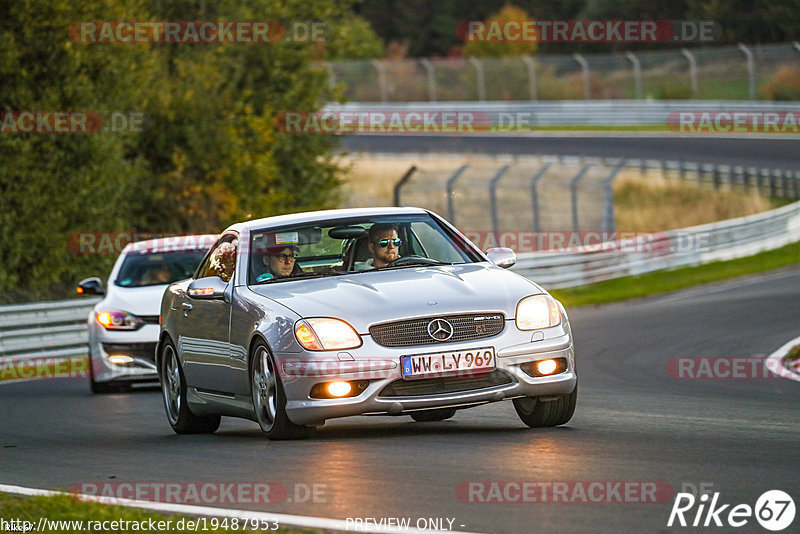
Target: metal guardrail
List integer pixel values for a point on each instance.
(523, 116)
(45, 329)
(698, 245)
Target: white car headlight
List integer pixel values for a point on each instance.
(325, 333)
(118, 320)
(538, 311)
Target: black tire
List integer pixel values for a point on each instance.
(555, 411)
(269, 399)
(100, 388)
(428, 416)
(173, 389)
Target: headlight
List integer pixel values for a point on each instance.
(538, 311)
(326, 334)
(118, 320)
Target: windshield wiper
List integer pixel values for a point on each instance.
(416, 263)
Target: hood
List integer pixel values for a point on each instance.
(136, 300)
(366, 298)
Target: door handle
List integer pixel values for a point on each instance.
(186, 308)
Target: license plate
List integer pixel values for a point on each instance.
(447, 363)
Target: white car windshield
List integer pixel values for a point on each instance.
(141, 269)
(353, 246)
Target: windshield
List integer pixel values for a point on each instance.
(140, 270)
(353, 246)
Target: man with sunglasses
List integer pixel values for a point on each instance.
(383, 244)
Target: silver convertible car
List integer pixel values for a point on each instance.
(296, 319)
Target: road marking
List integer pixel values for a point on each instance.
(187, 509)
(774, 361)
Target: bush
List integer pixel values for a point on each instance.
(784, 85)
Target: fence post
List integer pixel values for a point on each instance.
(795, 187)
(751, 71)
(528, 60)
(587, 92)
(479, 78)
(715, 176)
(637, 74)
(535, 196)
(400, 183)
(573, 186)
(773, 185)
(692, 70)
(609, 221)
(786, 175)
(431, 76)
(451, 207)
(493, 200)
(748, 178)
(381, 70)
(331, 74)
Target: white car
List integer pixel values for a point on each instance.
(124, 326)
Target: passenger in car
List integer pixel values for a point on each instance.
(157, 274)
(280, 263)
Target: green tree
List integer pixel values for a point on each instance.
(210, 154)
(53, 186)
(502, 47)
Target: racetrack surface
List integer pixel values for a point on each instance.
(725, 150)
(633, 423)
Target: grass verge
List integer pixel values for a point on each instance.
(665, 281)
(65, 509)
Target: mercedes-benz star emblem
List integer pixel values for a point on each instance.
(440, 330)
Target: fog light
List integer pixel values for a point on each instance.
(549, 367)
(546, 367)
(120, 359)
(339, 389)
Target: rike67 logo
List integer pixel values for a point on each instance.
(774, 510)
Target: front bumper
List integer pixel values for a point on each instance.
(387, 393)
(138, 344)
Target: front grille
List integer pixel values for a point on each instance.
(438, 386)
(149, 319)
(141, 351)
(413, 332)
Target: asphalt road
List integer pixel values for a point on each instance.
(747, 151)
(633, 423)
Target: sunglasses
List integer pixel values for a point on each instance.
(383, 243)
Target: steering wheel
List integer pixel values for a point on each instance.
(411, 259)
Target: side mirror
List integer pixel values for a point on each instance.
(90, 286)
(502, 257)
(208, 288)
